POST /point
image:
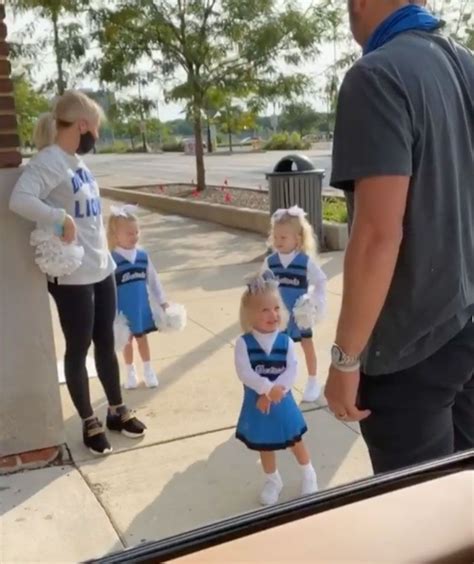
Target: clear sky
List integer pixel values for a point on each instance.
(46, 68)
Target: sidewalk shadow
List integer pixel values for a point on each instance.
(15, 489)
(136, 399)
(226, 484)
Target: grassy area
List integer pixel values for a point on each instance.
(286, 142)
(334, 209)
(119, 147)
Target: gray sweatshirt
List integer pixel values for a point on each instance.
(54, 184)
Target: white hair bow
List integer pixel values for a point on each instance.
(294, 211)
(123, 211)
(261, 282)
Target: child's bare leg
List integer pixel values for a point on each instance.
(310, 356)
(148, 373)
(273, 484)
(313, 388)
(144, 348)
(309, 482)
(132, 379)
(128, 352)
(268, 459)
(301, 453)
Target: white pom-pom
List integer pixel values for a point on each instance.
(307, 313)
(122, 332)
(54, 257)
(173, 318)
(39, 236)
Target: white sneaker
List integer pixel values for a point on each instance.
(309, 484)
(271, 489)
(150, 377)
(312, 390)
(132, 378)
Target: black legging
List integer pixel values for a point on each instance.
(87, 315)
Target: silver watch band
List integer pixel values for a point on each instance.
(342, 361)
(346, 367)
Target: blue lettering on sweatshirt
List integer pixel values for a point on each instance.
(81, 177)
(87, 208)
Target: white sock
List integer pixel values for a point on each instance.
(132, 380)
(313, 377)
(307, 469)
(274, 477)
(309, 479)
(271, 489)
(149, 374)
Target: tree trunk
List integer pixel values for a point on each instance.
(229, 129)
(59, 60)
(200, 171)
(132, 141)
(144, 142)
(210, 147)
(142, 119)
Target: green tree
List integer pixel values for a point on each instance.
(228, 44)
(220, 109)
(29, 105)
(300, 117)
(233, 119)
(180, 127)
(131, 118)
(459, 18)
(68, 39)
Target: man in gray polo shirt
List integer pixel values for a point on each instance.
(403, 359)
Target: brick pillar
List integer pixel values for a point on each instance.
(10, 155)
(31, 425)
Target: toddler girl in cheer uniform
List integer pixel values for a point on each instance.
(293, 263)
(137, 282)
(265, 362)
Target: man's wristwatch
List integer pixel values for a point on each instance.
(342, 361)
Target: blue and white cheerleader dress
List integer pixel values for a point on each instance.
(260, 370)
(297, 273)
(135, 277)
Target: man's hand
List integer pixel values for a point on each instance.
(264, 404)
(341, 393)
(277, 393)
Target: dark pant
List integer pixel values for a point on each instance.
(87, 314)
(424, 412)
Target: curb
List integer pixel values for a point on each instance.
(335, 234)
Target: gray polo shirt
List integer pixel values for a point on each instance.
(408, 109)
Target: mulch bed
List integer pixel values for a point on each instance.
(238, 197)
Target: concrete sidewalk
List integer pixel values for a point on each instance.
(188, 470)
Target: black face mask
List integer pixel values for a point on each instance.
(86, 143)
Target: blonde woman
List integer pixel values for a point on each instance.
(293, 263)
(57, 190)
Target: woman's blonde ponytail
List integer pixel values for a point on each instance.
(45, 131)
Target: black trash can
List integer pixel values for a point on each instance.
(295, 182)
